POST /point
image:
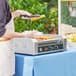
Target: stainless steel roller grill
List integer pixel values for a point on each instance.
(36, 46)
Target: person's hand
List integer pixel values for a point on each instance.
(17, 13)
(32, 34)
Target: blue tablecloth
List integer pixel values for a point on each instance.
(56, 64)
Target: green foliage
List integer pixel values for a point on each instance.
(36, 7)
(65, 17)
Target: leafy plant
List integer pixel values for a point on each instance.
(35, 7)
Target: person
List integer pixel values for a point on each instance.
(7, 32)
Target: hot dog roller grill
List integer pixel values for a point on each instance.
(34, 46)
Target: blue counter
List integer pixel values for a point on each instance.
(56, 64)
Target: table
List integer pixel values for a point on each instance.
(56, 64)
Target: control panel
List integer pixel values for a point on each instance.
(52, 46)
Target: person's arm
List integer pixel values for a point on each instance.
(13, 35)
(25, 34)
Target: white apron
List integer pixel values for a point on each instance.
(7, 57)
